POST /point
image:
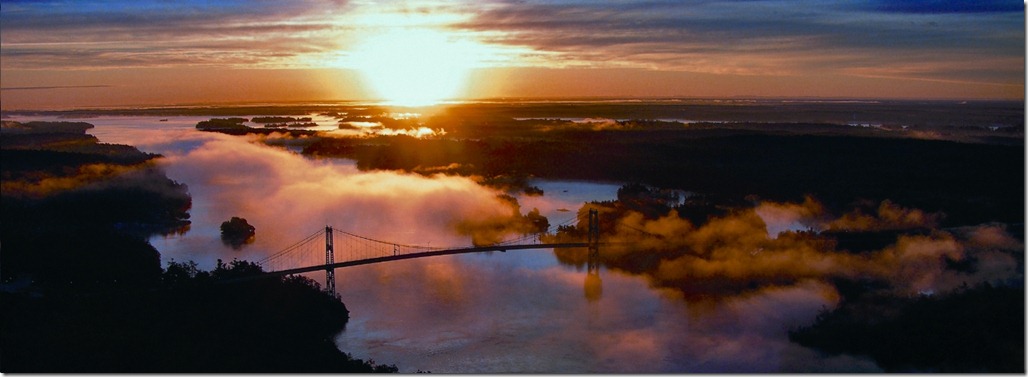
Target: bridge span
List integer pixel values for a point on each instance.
(360, 250)
(424, 254)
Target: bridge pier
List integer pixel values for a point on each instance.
(330, 272)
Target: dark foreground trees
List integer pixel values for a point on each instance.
(192, 321)
(82, 291)
(979, 330)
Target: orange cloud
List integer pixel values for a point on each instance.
(285, 195)
(889, 216)
(737, 253)
(44, 185)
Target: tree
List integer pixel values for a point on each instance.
(236, 232)
(540, 224)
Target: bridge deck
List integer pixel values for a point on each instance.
(423, 254)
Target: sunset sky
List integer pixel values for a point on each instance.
(59, 54)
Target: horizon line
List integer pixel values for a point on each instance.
(54, 87)
(481, 100)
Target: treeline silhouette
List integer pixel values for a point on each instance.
(235, 126)
(970, 183)
(977, 330)
(190, 321)
(77, 212)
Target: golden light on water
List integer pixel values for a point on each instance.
(415, 66)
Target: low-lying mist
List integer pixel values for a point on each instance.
(287, 196)
(781, 244)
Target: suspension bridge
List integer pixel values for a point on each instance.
(307, 255)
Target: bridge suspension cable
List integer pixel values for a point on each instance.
(640, 231)
(291, 248)
(420, 247)
(534, 236)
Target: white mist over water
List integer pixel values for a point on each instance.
(519, 311)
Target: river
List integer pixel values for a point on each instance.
(516, 311)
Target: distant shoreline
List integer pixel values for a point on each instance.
(320, 104)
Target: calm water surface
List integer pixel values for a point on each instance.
(518, 311)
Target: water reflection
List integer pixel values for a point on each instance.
(519, 311)
(593, 286)
(485, 314)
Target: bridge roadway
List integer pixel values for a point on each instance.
(423, 254)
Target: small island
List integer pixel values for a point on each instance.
(220, 124)
(236, 232)
(236, 126)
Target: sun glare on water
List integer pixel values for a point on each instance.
(415, 66)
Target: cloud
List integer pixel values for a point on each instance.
(160, 34)
(969, 42)
(286, 196)
(769, 246)
(55, 87)
(763, 38)
(780, 217)
(991, 236)
(282, 139)
(948, 6)
(889, 216)
(418, 132)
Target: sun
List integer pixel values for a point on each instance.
(415, 66)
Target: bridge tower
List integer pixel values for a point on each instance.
(330, 272)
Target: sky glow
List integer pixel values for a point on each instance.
(881, 49)
(414, 66)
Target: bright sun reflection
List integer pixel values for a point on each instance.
(415, 66)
